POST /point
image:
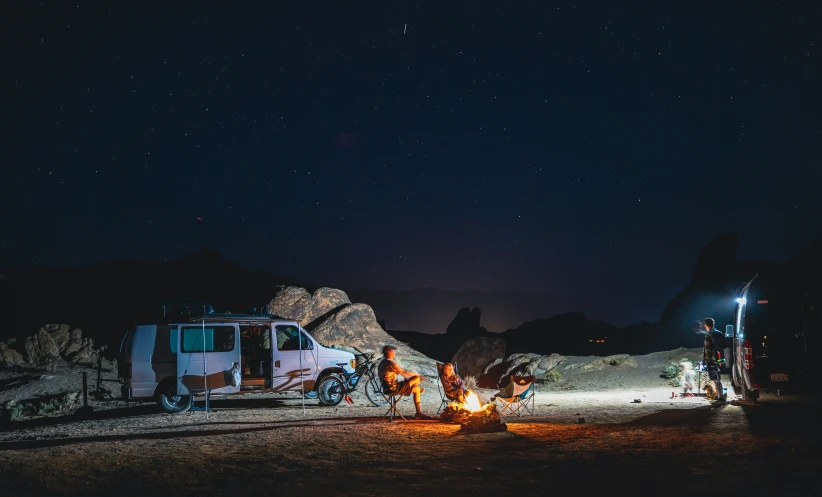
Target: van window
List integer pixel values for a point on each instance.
(217, 339)
(287, 338)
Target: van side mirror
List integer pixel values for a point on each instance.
(729, 331)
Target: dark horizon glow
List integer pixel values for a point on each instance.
(583, 153)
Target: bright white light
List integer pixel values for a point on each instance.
(742, 301)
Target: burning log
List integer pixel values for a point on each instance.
(486, 420)
(472, 417)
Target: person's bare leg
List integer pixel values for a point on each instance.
(414, 381)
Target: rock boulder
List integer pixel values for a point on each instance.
(52, 347)
(496, 374)
(10, 358)
(477, 353)
(335, 322)
(296, 303)
(41, 348)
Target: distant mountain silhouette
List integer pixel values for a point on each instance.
(443, 346)
(430, 310)
(571, 333)
(712, 291)
(106, 300)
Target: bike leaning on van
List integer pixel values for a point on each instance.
(333, 388)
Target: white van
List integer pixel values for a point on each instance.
(226, 354)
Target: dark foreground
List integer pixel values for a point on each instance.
(770, 449)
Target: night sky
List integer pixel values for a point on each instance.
(583, 150)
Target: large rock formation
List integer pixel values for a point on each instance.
(496, 373)
(477, 353)
(466, 323)
(335, 322)
(290, 302)
(10, 357)
(52, 346)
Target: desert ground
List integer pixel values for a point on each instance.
(582, 438)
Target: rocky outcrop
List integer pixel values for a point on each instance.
(296, 303)
(47, 405)
(496, 373)
(443, 346)
(336, 322)
(53, 346)
(42, 348)
(9, 356)
(466, 323)
(476, 353)
(619, 360)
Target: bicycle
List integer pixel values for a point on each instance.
(335, 387)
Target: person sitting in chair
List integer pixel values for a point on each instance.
(453, 384)
(388, 371)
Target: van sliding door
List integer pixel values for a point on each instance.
(209, 357)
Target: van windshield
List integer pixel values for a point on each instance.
(286, 335)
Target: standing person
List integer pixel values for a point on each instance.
(388, 371)
(712, 349)
(687, 378)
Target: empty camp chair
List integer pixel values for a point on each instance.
(443, 396)
(517, 397)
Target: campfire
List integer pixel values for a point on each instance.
(474, 417)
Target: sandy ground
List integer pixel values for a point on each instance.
(588, 436)
(268, 446)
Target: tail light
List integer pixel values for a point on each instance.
(748, 356)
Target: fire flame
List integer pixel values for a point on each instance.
(472, 402)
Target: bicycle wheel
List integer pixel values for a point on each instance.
(373, 390)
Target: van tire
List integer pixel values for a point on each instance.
(169, 401)
(330, 390)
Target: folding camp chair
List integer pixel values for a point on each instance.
(393, 399)
(392, 412)
(521, 398)
(445, 399)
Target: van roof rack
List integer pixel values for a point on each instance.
(230, 316)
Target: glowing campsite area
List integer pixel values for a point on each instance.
(267, 446)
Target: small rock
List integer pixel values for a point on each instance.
(580, 420)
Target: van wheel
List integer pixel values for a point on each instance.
(171, 402)
(331, 390)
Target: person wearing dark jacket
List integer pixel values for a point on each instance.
(453, 384)
(712, 350)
